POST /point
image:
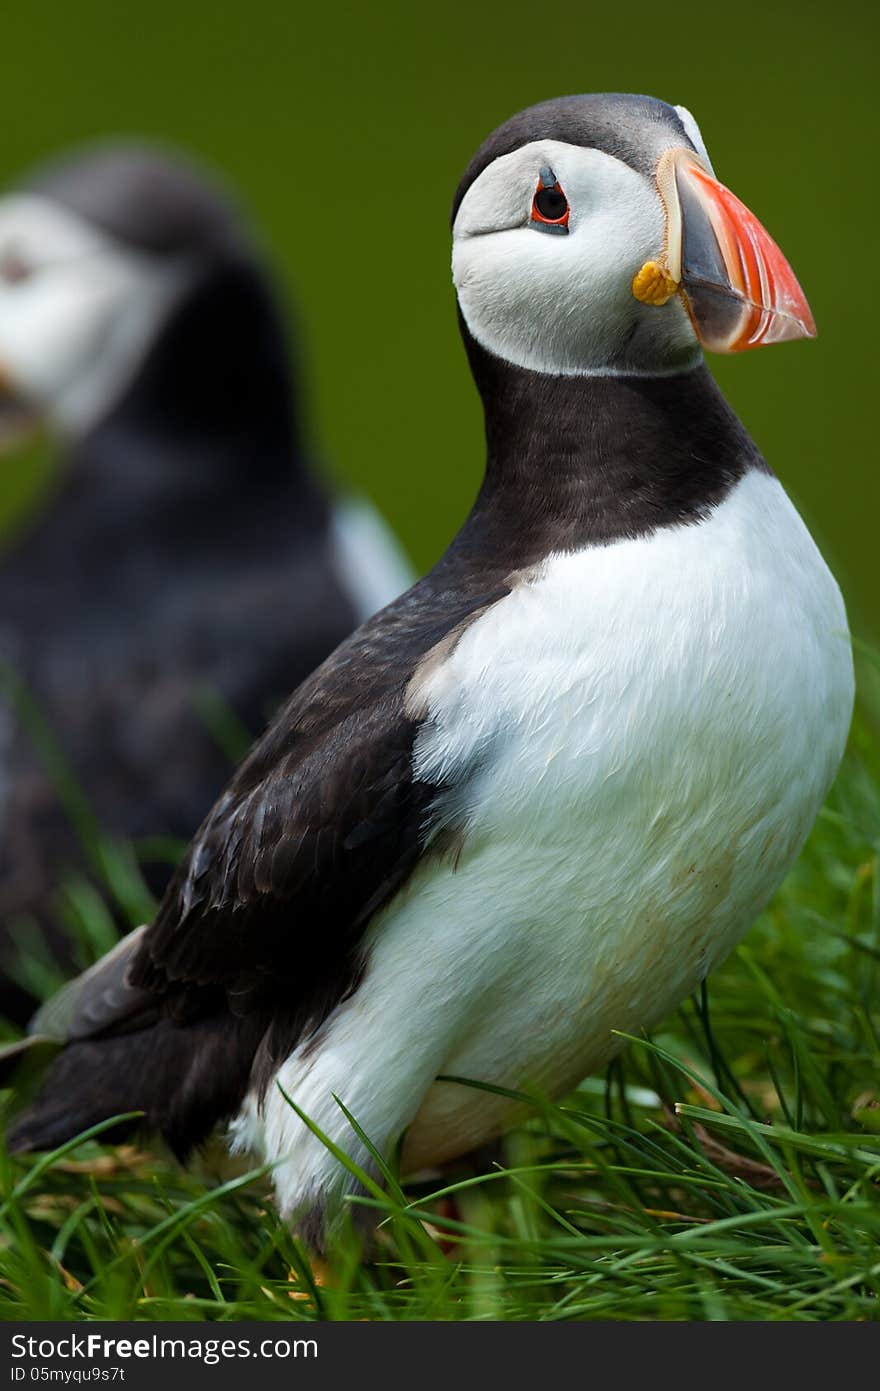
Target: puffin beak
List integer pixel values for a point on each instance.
(737, 286)
(18, 420)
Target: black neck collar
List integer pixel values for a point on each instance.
(588, 460)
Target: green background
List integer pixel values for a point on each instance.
(346, 130)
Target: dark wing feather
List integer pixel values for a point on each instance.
(281, 874)
(322, 822)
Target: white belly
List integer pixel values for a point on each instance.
(656, 724)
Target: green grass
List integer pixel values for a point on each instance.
(726, 1169)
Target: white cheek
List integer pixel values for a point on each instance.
(50, 326)
(75, 331)
(509, 282)
(73, 336)
(563, 304)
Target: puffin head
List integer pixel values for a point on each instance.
(590, 235)
(97, 252)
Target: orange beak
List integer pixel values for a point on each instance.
(737, 286)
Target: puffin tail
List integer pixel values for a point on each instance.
(111, 1051)
(182, 1079)
(55, 1111)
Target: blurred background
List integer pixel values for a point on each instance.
(346, 131)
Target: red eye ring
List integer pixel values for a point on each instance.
(550, 209)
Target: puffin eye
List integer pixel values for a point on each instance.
(14, 268)
(550, 208)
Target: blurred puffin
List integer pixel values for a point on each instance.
(538, 798)
(189, 545)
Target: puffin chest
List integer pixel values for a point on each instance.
(664, 695)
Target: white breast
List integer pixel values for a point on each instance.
(654, 726)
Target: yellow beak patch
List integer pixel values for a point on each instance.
(653, 284)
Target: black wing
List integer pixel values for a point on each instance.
(321, 824)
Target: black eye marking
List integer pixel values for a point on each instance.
(550, 210)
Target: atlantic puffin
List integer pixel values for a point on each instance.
(189, 551)
(532, 803)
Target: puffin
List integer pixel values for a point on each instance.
(526, 808)
(189, 554)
